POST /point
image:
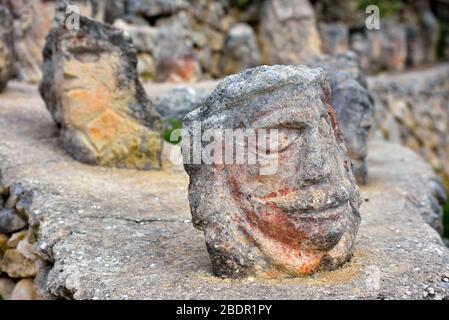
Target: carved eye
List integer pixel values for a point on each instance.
(277, 140)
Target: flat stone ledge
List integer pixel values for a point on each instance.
(109, 233)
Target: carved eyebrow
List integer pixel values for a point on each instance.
(297, 119)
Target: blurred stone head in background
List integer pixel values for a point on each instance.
(353, 106)
(91, 88)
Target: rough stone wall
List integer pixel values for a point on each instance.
(413, 109)
(18, 262)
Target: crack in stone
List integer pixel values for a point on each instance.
(138, 221)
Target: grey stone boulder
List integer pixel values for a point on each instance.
(177, 102)
(10, 221)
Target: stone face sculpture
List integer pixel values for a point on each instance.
(6, 47)
(288, 33)
(91, 88)
(300, 219)
(353, 106)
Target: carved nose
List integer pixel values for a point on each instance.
(314, 167)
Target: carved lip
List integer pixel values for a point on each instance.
(306, 205)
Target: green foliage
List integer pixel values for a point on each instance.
(387, 8)
(171, 125)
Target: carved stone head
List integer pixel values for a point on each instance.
(299, 219)
(91, 88)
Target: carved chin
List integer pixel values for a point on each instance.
(297, 244)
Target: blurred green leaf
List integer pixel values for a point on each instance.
(171, 125)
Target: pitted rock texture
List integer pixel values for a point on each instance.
(288, 32)
(98, 244)
(413, 109)
(353, 106)
(92, 89)
(300, 218)
(6, 47)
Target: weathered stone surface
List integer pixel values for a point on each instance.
(24, 290)
(288, 32)
(152, 8)
(179, 101)
(93, 92)
(334, 37)
(6, 288)
(16, 265)
(6, 47)
(412, 109)
(299, 219)
(353, 106)
(241, 50)
(101, 245)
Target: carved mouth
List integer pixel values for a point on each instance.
(310, 205)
